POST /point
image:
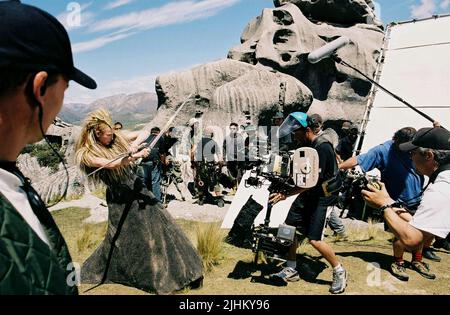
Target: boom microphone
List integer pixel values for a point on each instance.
(327, 50)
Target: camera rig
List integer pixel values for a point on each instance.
(350, 197)
(285, 171)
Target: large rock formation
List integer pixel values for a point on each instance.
(274, 49)
(348, 12)
(226, 88)
(50, 184)
(282, 38)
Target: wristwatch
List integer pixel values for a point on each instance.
(392, 205)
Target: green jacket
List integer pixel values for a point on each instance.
(27, 264)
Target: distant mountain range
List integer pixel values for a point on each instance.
(130, 110)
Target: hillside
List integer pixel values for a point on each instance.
(130, 109)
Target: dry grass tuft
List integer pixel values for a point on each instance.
(210, 245)
(87, 239)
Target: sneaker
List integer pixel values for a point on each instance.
(339, 282)
(399, 271)
(423, 269)
(287, 274)
(429, 254)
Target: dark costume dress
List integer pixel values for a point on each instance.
(150, 252)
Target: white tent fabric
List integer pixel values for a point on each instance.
(416, 68)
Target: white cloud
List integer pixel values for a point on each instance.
(76, 16)
(171, 13)
(445, 4)
(99, 42)
(425, 9)
(117, 3)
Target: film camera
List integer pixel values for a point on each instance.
(350, 197)
(284, 171)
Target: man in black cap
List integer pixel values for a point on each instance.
(36, 65)
(430, 152)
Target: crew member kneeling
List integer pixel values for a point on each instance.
(430, 152)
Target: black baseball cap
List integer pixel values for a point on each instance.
(32, 39)
(429, 138)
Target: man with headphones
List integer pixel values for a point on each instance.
(309, 211)
(36, 65)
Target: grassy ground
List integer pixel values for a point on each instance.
(366, 256)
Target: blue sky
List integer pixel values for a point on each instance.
(125, 44)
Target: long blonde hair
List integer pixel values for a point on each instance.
(89, 147)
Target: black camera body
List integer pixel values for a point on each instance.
(285, 171)
(350, 198)
(274, 243)
(362, 180)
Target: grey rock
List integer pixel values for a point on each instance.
(223, 90)
(281, 39)
(51, 185)
(348, 12)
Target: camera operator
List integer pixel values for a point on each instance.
(430, 153)
(404, 184)
(308, 213)
(207, 161)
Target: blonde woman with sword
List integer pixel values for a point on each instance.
(143, 247)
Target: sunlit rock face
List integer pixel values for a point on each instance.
(281, 39)
(223, 90)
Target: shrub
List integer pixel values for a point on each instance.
(45, 155)
(209, 245)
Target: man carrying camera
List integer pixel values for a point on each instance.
(430, 153)
(308, 212)
(207, 161)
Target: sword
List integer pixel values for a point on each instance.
(143, 145)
